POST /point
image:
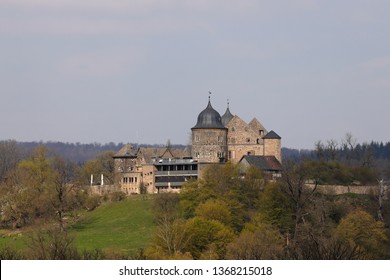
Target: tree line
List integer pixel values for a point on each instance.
(230, 216)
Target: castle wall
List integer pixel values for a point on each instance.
(209, 145)
(243, 140)
(148, 178)
(273, 147)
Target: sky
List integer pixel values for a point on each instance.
(140, 71)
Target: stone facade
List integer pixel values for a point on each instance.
(209, 145)
(243, 140)
(215, 140)
(208, 138)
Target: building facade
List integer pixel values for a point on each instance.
(216, 139)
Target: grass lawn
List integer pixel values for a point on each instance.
(123, 226)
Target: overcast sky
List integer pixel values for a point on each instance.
(140, 71)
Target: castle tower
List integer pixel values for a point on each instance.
(209, 137)
(227, 116)
(273, 145)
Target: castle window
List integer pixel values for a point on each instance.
(248, 140)
(261, 132)
(232, 155)
(233, 129)
(221, 154)
(220, 139)
(197, 138)
(258, 141)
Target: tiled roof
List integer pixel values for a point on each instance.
(266, 163)
(126, 151)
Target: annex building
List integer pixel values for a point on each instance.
(216, 139)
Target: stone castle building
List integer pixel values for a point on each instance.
(215, 140)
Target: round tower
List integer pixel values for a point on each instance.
(209, 137)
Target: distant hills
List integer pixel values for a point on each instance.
(80, 152)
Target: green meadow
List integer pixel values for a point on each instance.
(121, 227)
(124, 226)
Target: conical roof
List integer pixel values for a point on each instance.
(227, 117)
(209, 118)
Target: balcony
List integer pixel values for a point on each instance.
(176, 173)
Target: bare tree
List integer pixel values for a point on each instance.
(63, 187)
(381, 197)
(9, 157)
(295, 186)
(332, 149)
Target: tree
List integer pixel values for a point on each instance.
(359, 229)
(51, 244)
(9, 157)
(276, 208)
(215, 209)
(60, 198)
(170, 235)
(294, 186)
(206, 235)
(265, 242)
(103, 164)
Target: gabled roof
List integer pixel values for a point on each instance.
(257, 126)
(127, 151)
(147, 154)
(265, 163)
(272, 135)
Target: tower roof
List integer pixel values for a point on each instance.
(272, 135)
(227, 116)
(209, 118)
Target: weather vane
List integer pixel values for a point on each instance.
(209, 95)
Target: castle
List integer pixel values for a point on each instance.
(215, 140)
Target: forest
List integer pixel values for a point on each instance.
(226, 215)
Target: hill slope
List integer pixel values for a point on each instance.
(124, 226)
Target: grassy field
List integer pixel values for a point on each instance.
(125, 226)
(122, 227)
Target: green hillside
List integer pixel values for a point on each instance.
(123, 226)
(114, 227)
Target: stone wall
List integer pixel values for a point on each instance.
(337, 190)
(209, 145)
(243, 140)
(272, 147)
